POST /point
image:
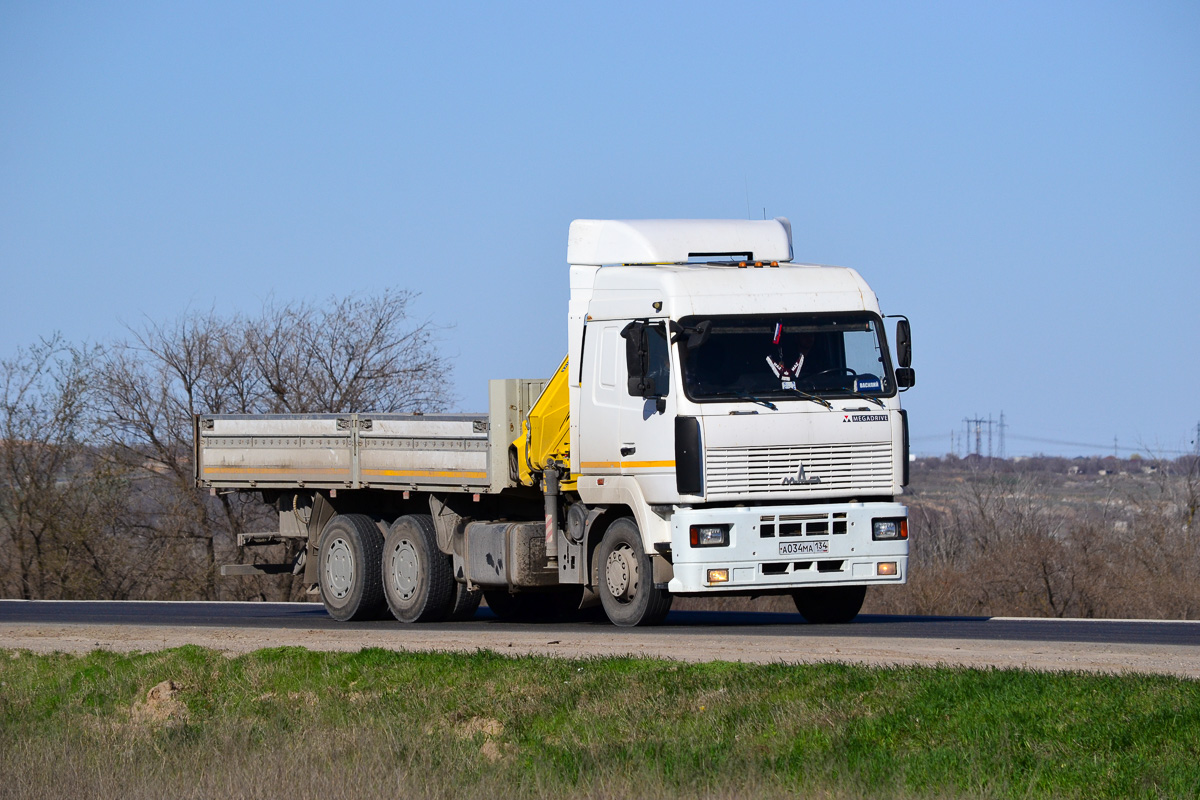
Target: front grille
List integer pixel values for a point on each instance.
(860, 467)
(802, 524)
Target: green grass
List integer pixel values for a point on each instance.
(295, 723)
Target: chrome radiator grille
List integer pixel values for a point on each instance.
(863, 466)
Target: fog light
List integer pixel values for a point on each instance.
(722, 575)
(709, 535)
(884, 529)
(886, 568)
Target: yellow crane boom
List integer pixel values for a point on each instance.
(546, 433)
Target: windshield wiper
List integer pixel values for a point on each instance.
(745, 396)
(814, 398)
(862, 396)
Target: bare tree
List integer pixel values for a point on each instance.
(59, 502)
(345, 355)
(353, 354)
(41, 417)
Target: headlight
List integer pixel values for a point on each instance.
(884, 529)
(709, 535)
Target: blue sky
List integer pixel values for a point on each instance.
(1021, 179)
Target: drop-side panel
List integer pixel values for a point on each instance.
(414, 451)
(276, 450)
(402, 451)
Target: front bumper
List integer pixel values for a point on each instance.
(774, 548)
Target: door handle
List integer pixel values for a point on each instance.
(628, 451)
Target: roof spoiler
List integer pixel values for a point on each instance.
(599, 242)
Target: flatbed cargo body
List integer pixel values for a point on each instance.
(344, 451)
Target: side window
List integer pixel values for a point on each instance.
(658, 361)
(608, 357)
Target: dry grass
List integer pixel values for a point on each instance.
(1015, 540)
(291, 723)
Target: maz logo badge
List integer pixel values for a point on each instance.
(800, 478)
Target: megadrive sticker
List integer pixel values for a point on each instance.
(868, 385)
(864, 418)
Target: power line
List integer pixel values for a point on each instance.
(973, 426)
(1092, 446)
(978, 422)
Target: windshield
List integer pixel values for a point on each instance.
(784, 356)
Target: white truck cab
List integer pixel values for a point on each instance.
(742, 406)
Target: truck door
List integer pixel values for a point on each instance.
(647, 424)
(601, 397)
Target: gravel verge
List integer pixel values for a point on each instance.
(1183, 661)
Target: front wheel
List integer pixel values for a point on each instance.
(830, 605)
(626, 578)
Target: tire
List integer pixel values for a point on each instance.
(466, 602)
(418, 580)
(506, 606)
(555, 605)
(830, 605)
(625, 578)
(348, 568)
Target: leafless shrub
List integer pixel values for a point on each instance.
(60, 530)
(350, 354)
(97, 494)
(1007, 543)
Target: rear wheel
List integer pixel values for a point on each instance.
(466, 601)
(348, 568)
(544, 606)
(418, 581)
(626, 578)
(830, 605)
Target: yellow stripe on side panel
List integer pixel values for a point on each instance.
(423, 473)
(276, 470)
(626, 464)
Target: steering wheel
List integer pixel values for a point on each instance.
(833, 371)
(826, 377)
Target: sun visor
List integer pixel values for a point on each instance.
(597, 242)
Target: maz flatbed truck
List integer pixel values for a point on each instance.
(726, 422)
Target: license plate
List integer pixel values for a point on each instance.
(803, 548)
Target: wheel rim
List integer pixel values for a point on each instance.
(621, 574)
(339, 568)
(404, 569)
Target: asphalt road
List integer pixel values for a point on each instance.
(312, 616)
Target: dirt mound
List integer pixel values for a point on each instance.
(490, 729)
(162, 706)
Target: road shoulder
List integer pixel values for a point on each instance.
(1179, 660)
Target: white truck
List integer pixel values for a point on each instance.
(726, 422)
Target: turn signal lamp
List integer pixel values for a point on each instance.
(886, 568)
(718, 576)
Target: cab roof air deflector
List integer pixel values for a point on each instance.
(599, 242)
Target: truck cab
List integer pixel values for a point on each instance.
(743, 409)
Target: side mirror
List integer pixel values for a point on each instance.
(903, 344)
(637, 357)
(695, 336)
(906, 377)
